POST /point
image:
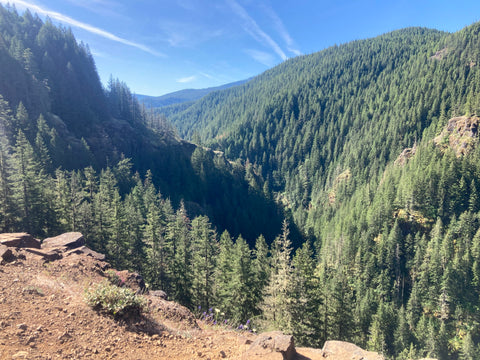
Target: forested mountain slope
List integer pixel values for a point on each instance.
(372, 146)
(396, 242)
(351, 108)
(52, 101)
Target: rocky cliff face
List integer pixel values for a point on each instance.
(43, 314)
(460, 134)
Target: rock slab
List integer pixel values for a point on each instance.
(83, 250)
(333, 349)
(19, 240)
(47, 255)
(158, 293)
(272, 346)
(71, 240)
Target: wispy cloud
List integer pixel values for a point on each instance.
(187, 79)
(187, 33)
(278, 23)
(208, 76)
(101, 7)
(75, 23)
(262, 57)
(251, 27)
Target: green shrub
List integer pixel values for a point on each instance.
(114, 300)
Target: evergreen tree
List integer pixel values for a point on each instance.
(178, 232)
(261, 270)
(29, 183)
(243, 299)
(224, 275)
(306, 298)
(278, 293)
(205, 249)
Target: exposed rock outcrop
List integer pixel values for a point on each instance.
(47, 255)
(158, 293)
(53, 312)
(460, 134)
(405, 156)
(83, 250)
(440, 54)
(19, 240)
(68, 241)
(272, 346)
(343, 350)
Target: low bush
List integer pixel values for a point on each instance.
(114, 300)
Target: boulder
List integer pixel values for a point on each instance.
(47, 255)
(19, 240)
(272, 346)
(6, 254)
(68, 241)
(333, 349)
(158, 293)
(84, 250)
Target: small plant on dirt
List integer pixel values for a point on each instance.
(114, 300)
(216, 317)
(114, 278)
(34, 290)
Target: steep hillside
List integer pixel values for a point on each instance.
(396, 242)
(51, 99)
(352, 107)
(371, 147)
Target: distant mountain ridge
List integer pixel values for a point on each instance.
(182, 96)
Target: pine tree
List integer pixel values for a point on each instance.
(7, 205)
(382, 330)
(261, 269)
(178, 232)
(29, 183)
(468, 351)
(307, 298)
(278, 293)
(159, 254)
(243, 299)
(224, 275)
(205, 248)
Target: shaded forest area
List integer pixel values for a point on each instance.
(53, 96)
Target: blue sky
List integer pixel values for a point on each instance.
(160, 46)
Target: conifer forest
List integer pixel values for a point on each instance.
(335, 196)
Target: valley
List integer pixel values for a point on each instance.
(332, 197)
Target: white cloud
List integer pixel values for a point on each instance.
(208, 76)
(251, 27)
(262, 57)
(187, 79)
(75, 23)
